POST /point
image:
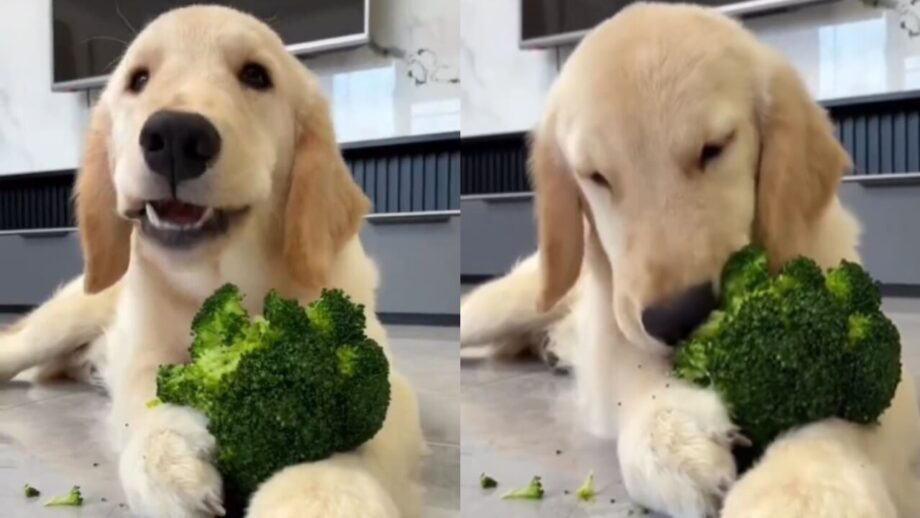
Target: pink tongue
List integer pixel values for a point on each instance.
(178, 212)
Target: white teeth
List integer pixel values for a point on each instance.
(155, 220)
(205, 216)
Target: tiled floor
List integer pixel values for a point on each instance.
(52, 436)
(518, 422)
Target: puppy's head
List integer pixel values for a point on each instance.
(678, 138)
(208, 126)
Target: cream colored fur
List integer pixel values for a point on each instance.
(629, 214)
(279, 158)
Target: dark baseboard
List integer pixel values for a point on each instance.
(420, 319)
(407, 319)
(888, 289)
(475, 279)
(901, 290)
(16, 308)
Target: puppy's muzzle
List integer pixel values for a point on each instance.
(673, 320)
(179, 145)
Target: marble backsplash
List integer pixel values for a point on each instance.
(405, 83)
(408, 81)
(842, 48)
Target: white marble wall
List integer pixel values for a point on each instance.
(842, 49)
(503, 86)
(845, 49)
(407, 83)
(39, 130)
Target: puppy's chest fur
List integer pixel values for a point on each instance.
(162, 294)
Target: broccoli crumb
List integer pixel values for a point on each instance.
(586, 492)
(30, 491)
(104, 499)
(487, 482)
(533, 491)
(74, 498)
(155, 402)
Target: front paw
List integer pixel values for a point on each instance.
(675, 452)
(338, 487)
(166, 468)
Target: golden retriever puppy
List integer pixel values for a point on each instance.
(211, 159)
(671, 138)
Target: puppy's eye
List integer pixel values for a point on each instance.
(709, 153)
(599, 180)
(255, 76)
(138, 80)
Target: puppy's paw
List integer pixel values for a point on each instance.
(815, 472)
(166, 468)
(10, 355)
(675, 452)
(339, 487)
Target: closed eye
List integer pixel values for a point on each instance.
(599, 180)
(711, 151)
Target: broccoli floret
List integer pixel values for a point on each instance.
(785, 351)
(74, 498)
(745, 270)
(220, 319)
(533, 491)
(873, 357)
(853, 288)
(334, 316)
(586, 492)
(798, 274)
(30, 491)
(280, 389)
(487, 482)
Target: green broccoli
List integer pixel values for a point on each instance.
(30, 491)
(74, 498)
(586, 492)
(295, 385)
(796, 347)
(853, 288)
(873, 360)
(487, 482)
(533, 491)
(744, 271)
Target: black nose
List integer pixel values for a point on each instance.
(673, 320)
(179, 145)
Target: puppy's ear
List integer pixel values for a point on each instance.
(801, 165)
(559, 220)
(104, 236)
(324, 207)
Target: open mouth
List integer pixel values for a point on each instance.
(178, 224)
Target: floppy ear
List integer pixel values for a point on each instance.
(559, 220)
(104, 236)
(324, 206)
(801, 165)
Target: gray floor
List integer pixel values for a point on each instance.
(517, 423)
(52, 436)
